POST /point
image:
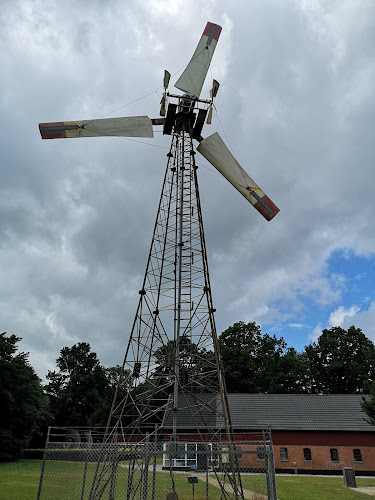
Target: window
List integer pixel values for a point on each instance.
(334, 455)
(307, 454)
(284, 454)
(187, 454)
(357, 455)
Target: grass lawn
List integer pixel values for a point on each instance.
(63, 481)
(309, 487)
(19, 481)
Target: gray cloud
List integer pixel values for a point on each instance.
(76, 217)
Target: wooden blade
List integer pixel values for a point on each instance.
(163, 106)
(192, 79)
(209, 116)
(216, 152)
(167, 77)
(215, 88)
(131, 126)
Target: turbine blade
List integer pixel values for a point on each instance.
(163, 106)
(130, 126)
(215, 88)
(167, 77)
(192, 79)
(209, 117)
(216, 152)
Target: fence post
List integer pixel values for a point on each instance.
(44, 464)
(86, 455)
(270, 467)
(156, 449)
(114, 453)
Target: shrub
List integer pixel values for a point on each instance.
(35, 454)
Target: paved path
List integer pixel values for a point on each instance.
(368, 490)
(248, 494)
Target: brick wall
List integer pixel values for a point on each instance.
(321, 458)
(319, 444)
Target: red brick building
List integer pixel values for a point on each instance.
(311, 433)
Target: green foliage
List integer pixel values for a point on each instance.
(256, 363)
(342, 361)
(24, 405)
(292, 375)
(368, 405)
(194, 361)
(154, 391)
(34, 454)
(80, 392)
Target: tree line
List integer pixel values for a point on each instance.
(80, 391)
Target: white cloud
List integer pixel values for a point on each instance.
(298, 325)
(360, 318)
(366, 321)
(316, 333)
(341, 315)
(354, 315)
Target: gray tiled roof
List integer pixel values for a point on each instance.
(307, 412)
(196, 411)
(323, 412)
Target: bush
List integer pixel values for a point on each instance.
(35, 454)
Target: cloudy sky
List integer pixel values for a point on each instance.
(297, 105)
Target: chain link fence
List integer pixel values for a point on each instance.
(78, 465)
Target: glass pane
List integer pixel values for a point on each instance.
(181, 451)
(334, 455)
(283, 453)
(191, 450)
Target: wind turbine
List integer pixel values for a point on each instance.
(172, 379)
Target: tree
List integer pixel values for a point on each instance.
(193, 361)
(113, 374)
(24, 407)
(80, 392)
(342, 361)
(260, 363)
(368, 405)
(291, 374)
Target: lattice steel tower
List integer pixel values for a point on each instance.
(172, 371)
(172, 381)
